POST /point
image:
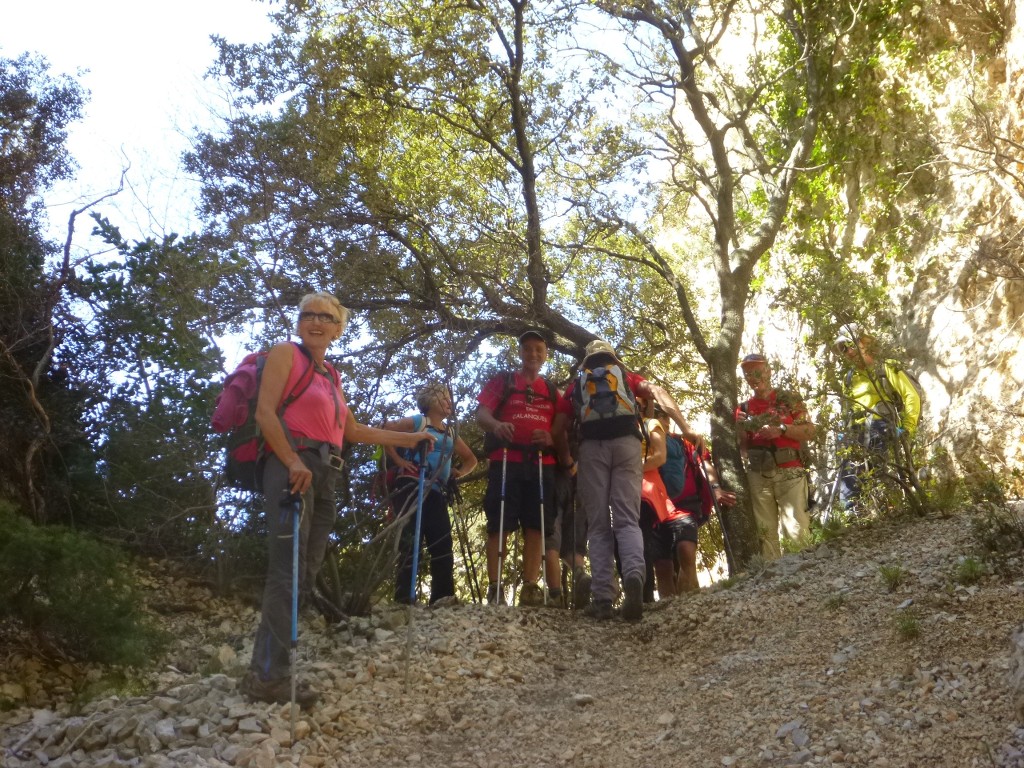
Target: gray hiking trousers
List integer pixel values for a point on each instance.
(608, 486)
(273, 637)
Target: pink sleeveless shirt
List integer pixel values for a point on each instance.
(320, 411)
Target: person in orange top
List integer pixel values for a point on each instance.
(689, 491)
(773, 427)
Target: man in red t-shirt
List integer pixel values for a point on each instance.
(517, 409)
(773, 426)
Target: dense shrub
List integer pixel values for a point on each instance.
(75, 594)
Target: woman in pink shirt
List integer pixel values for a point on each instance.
(303, 419)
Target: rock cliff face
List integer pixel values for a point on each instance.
(957, 296)
(964, 307)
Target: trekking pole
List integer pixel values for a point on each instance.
(294, 500)
(718, 510)
(575, 543)
(462, 532)
(501, 525)
(543, 538)
(417, 528)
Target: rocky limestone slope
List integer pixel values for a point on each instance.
(810, 662)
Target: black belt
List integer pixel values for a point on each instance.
(330, 454)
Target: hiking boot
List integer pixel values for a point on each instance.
(493, 598)
(447, 601)
(600, 610)
(581, 588)
(277, 691)
(531, 595)
(633, 605)
(556, 599)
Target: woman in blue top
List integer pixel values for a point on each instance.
(435, 404)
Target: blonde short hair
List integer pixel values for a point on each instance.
(429, 394)
(328, 298)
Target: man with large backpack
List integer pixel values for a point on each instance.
(773, 427)
(516, 409)
(602, 399)
(883, 410)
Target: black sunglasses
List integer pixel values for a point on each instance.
(323, 317)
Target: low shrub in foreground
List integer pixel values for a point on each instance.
(73, 593)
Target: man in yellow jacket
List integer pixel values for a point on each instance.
(884, 405)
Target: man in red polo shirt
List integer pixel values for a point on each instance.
(773, 426)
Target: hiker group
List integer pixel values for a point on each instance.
(607, 471)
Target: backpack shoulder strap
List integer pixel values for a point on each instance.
(886, 373)
(303, 383)
(508, 381)
(552, 389)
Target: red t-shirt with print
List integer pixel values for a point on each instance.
(530, 406)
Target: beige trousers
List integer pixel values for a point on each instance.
(779, 499)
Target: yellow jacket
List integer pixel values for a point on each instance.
(866, 390)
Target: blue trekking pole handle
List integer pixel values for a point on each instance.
(419, 522)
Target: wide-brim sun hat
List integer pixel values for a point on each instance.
(600, 347)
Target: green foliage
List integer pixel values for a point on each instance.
(787, 585)
(835, 601)
(833, 528)
(158, 306)
(907, 625)
(892, 576)
(985, 486)
(969, 571)
(124, 682)
(43, 441)
(73, 593)
(947, 495)
(728, 582)
(998, 532)
(789, 546)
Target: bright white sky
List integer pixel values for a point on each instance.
(143, 63)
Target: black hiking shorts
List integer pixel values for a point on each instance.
(522, 497)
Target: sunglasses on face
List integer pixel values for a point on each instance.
(323, 317)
